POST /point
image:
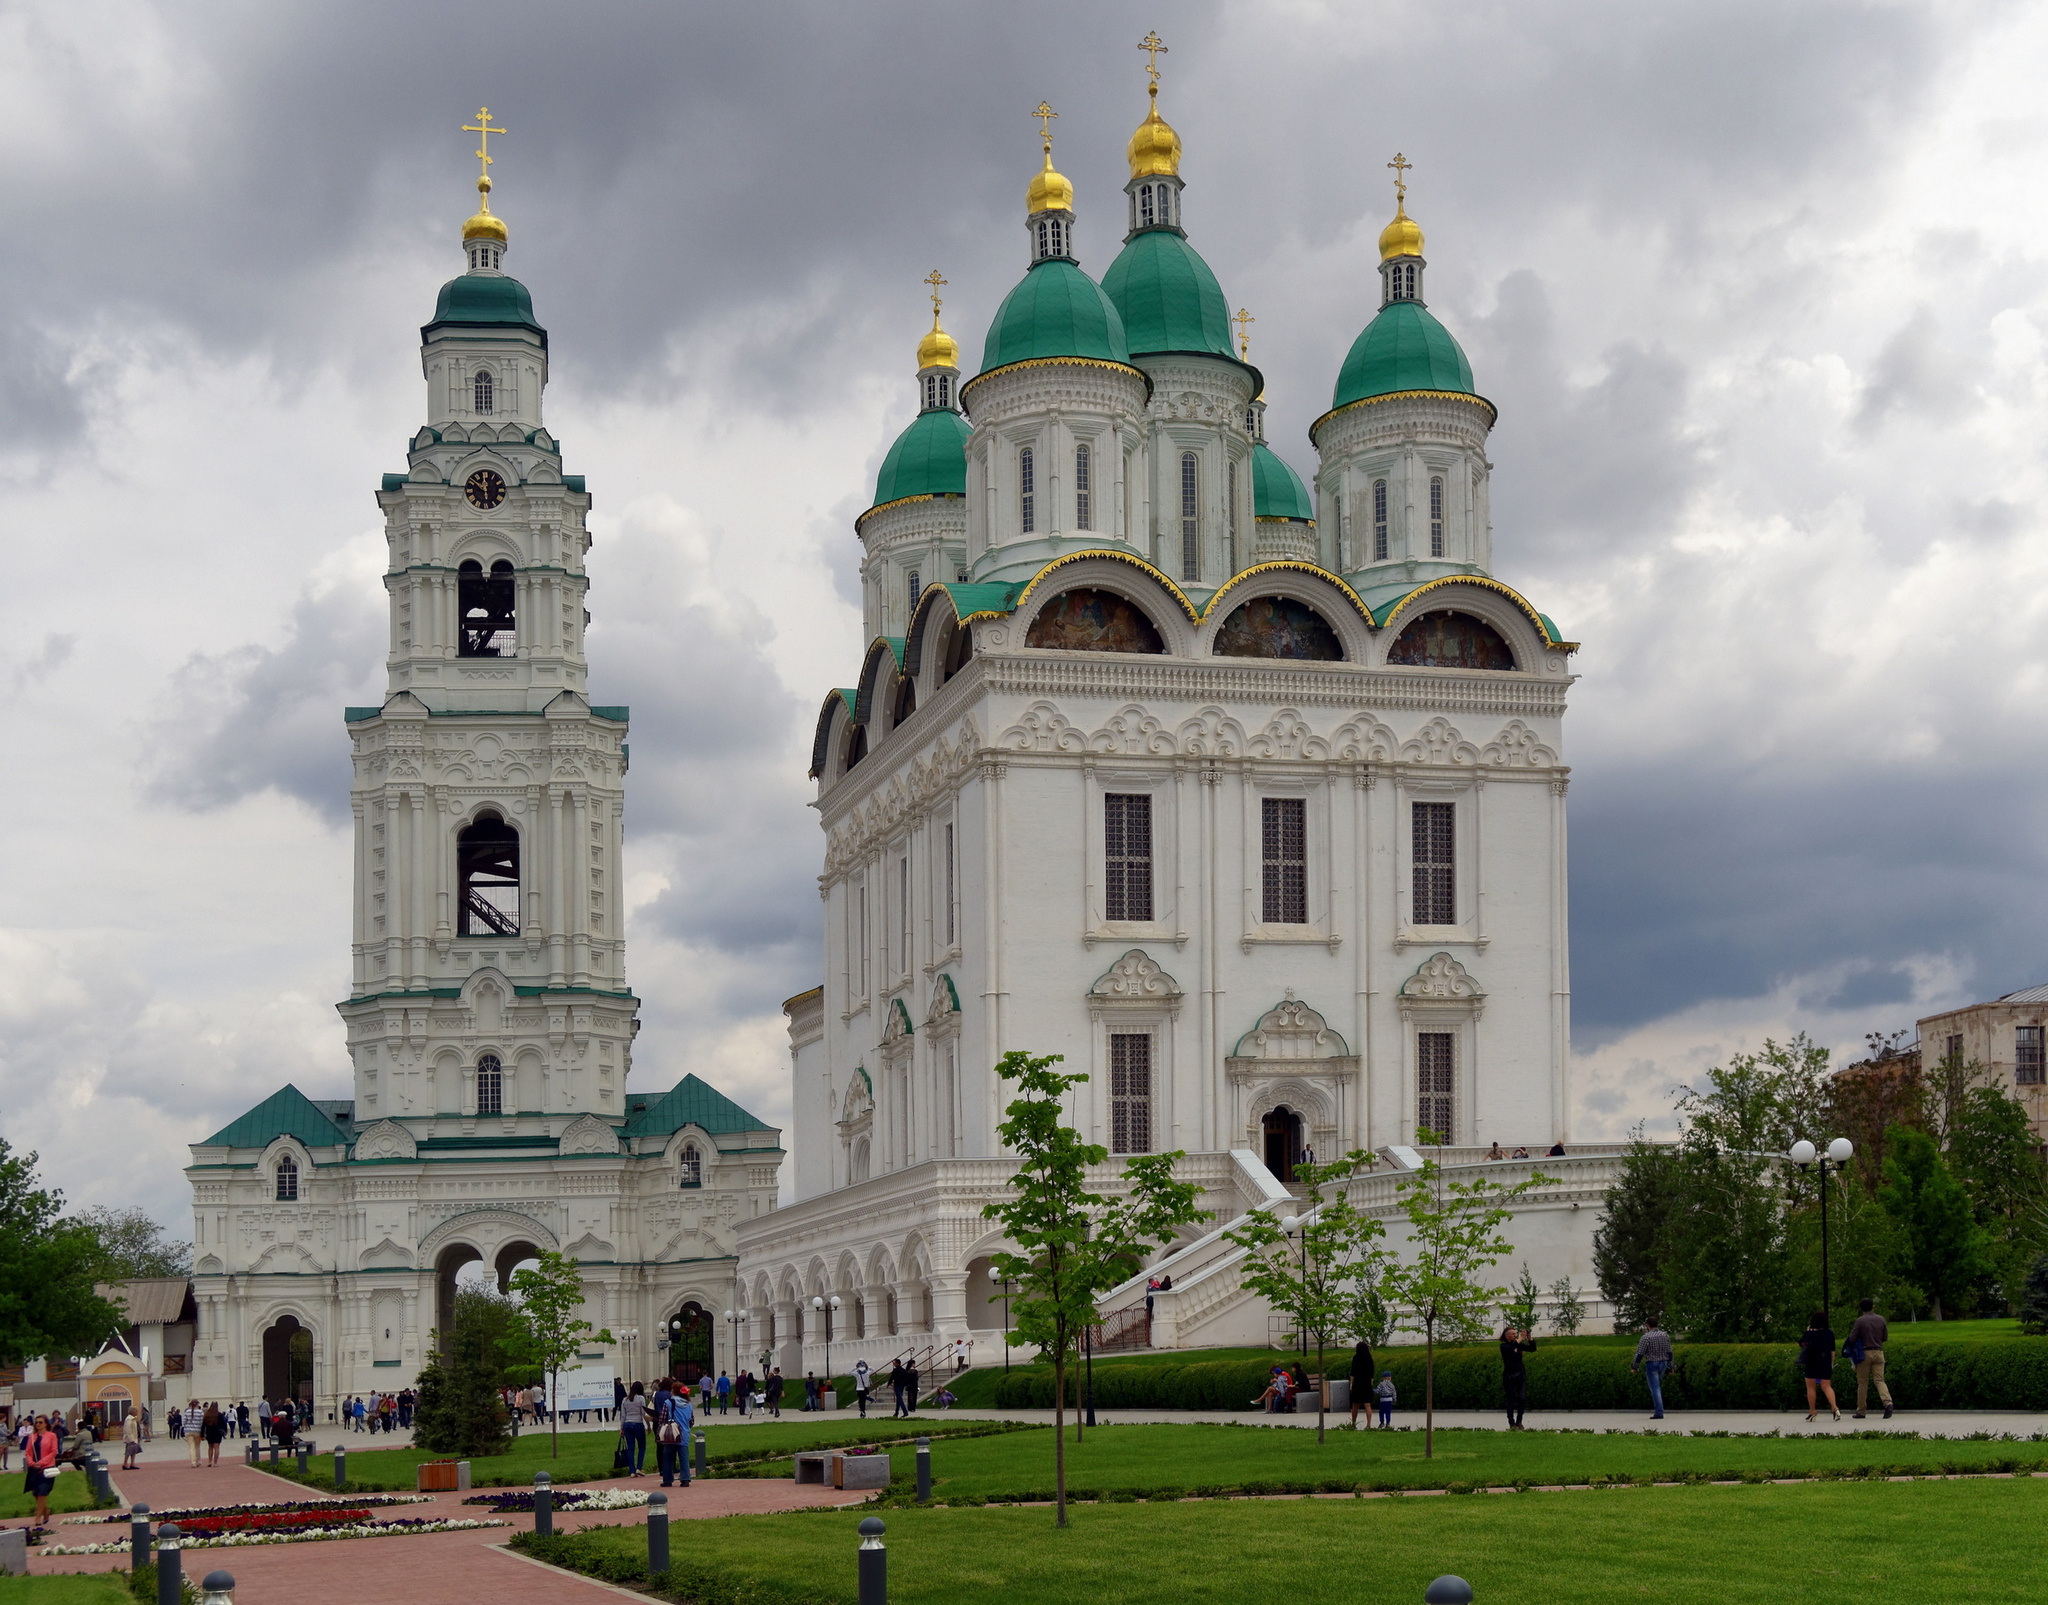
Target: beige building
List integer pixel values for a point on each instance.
(2007, 1037)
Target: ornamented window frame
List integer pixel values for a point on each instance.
(1464, 789)
(1319, 801)
(1441, 995)
(1135, 996)
(1159, 784)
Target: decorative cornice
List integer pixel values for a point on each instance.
(1139, 374)
(1455, 396)
(1261, 680)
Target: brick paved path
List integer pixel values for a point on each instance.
(459, 1568)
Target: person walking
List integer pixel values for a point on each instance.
(1384, 1396)
(633, 1428)
(177, 1428)
(772, 1392)
(619, 1398)
(131, 1440)
(40, 1457)
(724, 1394)
(1653, 1359)
(1514, 1373)
(1361, 1378)
(910, 1385)
(242, 1420)
(896, 1383)
(674, 1422)
(960, 1352)
(1866, 1352)
(1817, 1362)
(213, 1426)
(863, 1384)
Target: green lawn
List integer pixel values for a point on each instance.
(1900, 1544)
(73, 1491)
(1201, 1456)
(84, 1588)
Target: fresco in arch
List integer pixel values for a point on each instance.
(1278, 627)
(1452, 641)
(1088, 620)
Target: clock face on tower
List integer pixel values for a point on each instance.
(485, 489)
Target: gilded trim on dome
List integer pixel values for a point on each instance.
(1056, 362)
(905, 501)
(1131, 558)
(1289, 565)
(1543, 626)
(1492, 412)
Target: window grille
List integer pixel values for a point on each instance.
(490, 1085)
(1436, 518)
(1434, 855)
(931, 392)
(1145, 215)
(1027, 491)
(484, 390)
(1190, 517)
(1401, 282)
(1955, 1047)
(489, 608)
(2028, 1067)
(1083, 517)
(287, 1178)
(1286, 861)
(1127, 856)
(915, 587)
(1436, 1069)
(690, 1170)
(950, 938)
(1130, 1092)
(1379, 520)
(487, 875)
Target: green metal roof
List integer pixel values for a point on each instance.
(690, 1102)
(986, 598)
(1167, 297)
(1056, 311)
(928, 459)
(484, 298)
(287, 1112)
(1404, 348)
(1277, 490)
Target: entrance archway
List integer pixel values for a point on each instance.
(509, 1259)
(447, 1265)
(689, 1333)
(1282, 1128)
(287, 1361)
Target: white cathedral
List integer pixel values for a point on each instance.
(1247, 801)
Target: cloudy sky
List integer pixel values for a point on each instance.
(1758, 288)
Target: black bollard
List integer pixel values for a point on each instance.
(102, 1479)
(924, 1469)
(700, 1454)
(340, 1468)
(170, 1574)
(874, 1563)
(138, 1537)
(657, 1532)
(1448, 1590)
(543, 1505)
(304, 1451)
(218, 1588)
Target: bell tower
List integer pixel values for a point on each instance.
(489, 996)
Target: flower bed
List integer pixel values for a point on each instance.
(200, 1512)
(405, 1527)
(520, 1500)
(269, 1521)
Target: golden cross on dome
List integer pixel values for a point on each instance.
(482, 127)
(1154, 47)
(1400, 164)
(1244, 340)
(1045, 114)
(932, 278)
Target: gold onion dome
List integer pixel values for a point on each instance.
(1050, 191)
(938, 349)
(483, 226)
(1402, 237)
(1155, 147)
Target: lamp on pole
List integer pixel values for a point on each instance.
(732, 1326)
(1290, 1224)
(628, 1338)
(825, 1307)
(1003, 1282)
(1805, 1156)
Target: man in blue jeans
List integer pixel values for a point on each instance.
(674, 1421)
(1653, 1359)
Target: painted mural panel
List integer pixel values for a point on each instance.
(1452, 641)
(1278, 627)
(1088, 620)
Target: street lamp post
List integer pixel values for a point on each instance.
(733, 1318)
(1003, 1282)
(1805, 1156)
(825, 1307)
(1290, 1224)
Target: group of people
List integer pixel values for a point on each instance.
(386, 1413)
(1555, 1151)
(669, 1417)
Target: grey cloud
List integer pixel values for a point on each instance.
(1916, 375)
(54, 652)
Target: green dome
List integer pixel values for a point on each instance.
(1404, 348)
(1057, 311)
(928, 459)
(1277, 490)
(484, 298)
(1169, 299)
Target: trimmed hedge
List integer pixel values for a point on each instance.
(686, 1579)
(1991, 1373)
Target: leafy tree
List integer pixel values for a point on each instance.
(1453, 1235)
(550, 1331)
(1073, 1244)
(1627, 1246)
(1725, 1255)
(1318, 1280)
(1992, 1152)
(459, 1411)
(47, 1269)
(1942, 1250)
(1760, 1103)
(132, 1245)
(1520, 1309)
(1567, 1309)
(2034, 1298)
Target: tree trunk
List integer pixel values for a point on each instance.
(1059, 1435)
(1322, 1386)
(554, 1415)
(1429, 1391)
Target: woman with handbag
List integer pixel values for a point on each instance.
(633, 1428)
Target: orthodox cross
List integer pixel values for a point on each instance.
(933, 279)
(1400, 164)
(1045, 114)
(1154, 48)
(482, 127)
(1244, 340)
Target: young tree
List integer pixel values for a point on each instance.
(1314, 1266)
(1725, 1254)
(1453, 1235)
(1991, 1149)
(460, 1412)
(1567, 1309)
(550, 1331)
(2034, 1298)
(1520, 1310)
(1628, 1245)
(1943, 1251)
(132, 1245)
(47, 1270)
(1072, 1244)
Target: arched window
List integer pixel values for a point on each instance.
(906, 702)
(487, 604)
(1452, 640)
(1436, 517)
(856, 745)
(1027, 490)
(1083, 513)
(487, 865)
(959, 649)
(1145, 217)
(1379, 520)
(690, 1167)
(1190, 517)
(484, 389)
(287, 1178)
(915, 587)
(1089, 620)
(1401, 281)
(1052, 237)
(490, 1085)
(859, 1164)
